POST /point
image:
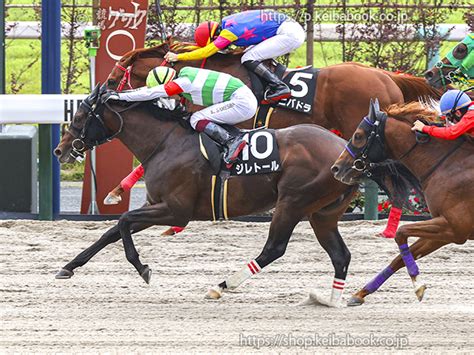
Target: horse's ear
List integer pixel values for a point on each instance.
(96, 88)
(103, 88)
(377, 105)
(372, 111)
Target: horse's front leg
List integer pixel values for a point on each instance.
(420, 248)
(157, 214)
(109, 237)
(327, 233)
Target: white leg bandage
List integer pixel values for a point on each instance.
(247, 272)
(337, 290)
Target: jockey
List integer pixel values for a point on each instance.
(271, 34)
(227, 100)
(459, 109)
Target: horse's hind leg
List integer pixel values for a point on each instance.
(109, 237)
(419, 249)
(284, 220)
(327, 233)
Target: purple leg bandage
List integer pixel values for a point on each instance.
(409, 261)
(378, 280)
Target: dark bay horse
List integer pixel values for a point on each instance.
(178, 181)
(445, 170)
(343, 93)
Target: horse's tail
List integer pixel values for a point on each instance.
(414, 88)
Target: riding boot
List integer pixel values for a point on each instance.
(233, 144)
(276, 89)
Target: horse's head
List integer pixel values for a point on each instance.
(365, 148)
(458, 65)
(88, 128)
(132, 69)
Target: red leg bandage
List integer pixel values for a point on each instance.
(132, 178)
(177, 229)
(392, 223)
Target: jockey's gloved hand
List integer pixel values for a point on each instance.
(109, 95)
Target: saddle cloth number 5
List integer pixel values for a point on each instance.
(298, 81)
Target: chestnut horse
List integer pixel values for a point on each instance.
(178, 181)
(343, 92)
(444, 168)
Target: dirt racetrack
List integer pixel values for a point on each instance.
(106, 306)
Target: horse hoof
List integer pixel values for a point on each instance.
(146, 274)
(112, 199)
(214, 293)
(355, 301)
(64, 274)
(420, 292)
(385, 235)
(168, 232)
(316, 300)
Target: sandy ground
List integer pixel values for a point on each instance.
(106, 306)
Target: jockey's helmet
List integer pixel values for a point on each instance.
(453, 100)
(159, 76)
(205, 33)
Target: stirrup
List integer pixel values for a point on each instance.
(229, 161)
(267, 100)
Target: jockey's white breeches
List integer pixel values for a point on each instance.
(241, 107)
(290, 36)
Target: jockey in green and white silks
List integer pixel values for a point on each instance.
(227, 100)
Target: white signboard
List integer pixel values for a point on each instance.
(38, 108)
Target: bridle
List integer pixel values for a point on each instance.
(125, 81)
(373, 153)
(94, 109)
(452, 76)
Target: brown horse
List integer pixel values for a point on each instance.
(178, 181)
(343, 92)
(444, 168)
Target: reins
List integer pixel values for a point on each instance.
(442, 160)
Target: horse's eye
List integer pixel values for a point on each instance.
(460, 51)
(111, 83)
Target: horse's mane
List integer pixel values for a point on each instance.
(402, 180)
(156, 51)
(161, 49)
(162, 114)
(410, 112)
